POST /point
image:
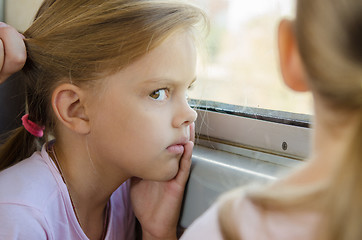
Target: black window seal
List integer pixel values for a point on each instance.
(275, 116)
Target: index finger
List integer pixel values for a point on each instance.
(192, 132)
(185, 164)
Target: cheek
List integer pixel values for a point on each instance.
(139, 133)
(147, 126)
(132, 128)
(145, 137)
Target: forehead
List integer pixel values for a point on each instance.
(174, 59)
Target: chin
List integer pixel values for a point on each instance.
(170, 172)
(164, 171)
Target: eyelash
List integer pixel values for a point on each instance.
(166, 93)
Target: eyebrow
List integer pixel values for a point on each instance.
(165, 80)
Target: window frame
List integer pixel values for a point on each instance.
(275, 132)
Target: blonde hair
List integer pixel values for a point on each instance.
(82, 41)
(329, 36)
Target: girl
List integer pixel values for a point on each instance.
(319, 51)
(107, 80)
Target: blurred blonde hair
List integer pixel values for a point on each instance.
(329, 36)
(81, 42)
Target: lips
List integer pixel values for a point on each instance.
(176, 148)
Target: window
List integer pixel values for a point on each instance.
(242, 65)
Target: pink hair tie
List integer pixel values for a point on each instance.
(33, 128)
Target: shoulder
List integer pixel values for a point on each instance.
(29, 183)
(256, 222)
(22, 222)
(32, 193)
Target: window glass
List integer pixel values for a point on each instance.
(241, 66)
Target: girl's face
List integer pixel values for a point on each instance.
(141, 121)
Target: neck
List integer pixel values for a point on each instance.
(333, 134)
(88, 184)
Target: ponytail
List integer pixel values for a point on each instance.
(20, 145)
(344, 212)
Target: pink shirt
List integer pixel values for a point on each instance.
(254, 224)
(35, 204)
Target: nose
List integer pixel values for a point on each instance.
(184, 115)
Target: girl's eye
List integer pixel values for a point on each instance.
(159, 94)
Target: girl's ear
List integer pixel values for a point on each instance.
(290, 63)
(68, 106)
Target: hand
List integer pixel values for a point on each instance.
(157, 204)
(12, 51)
